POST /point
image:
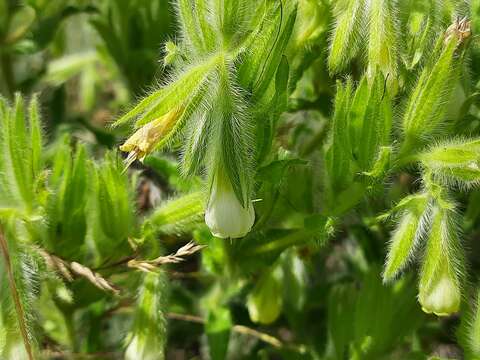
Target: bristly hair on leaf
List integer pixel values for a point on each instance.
(347, 33)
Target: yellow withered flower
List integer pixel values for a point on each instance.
(461, 28)
(145, 139)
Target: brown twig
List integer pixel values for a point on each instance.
(241, 329)
(15, 296)
(51, 354)
(269, 339)
(66, 269)
(94, 277)
(177, 257)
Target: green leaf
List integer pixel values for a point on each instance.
(167, 168)
(229, 17)
(270, 244)
(469, 334)
(208, 34)
(282, 77)
(232, 148)
(405, 238)
(295, 281)
(175, 132)
(376, 125)
(197, 142)
(382, 41)
(338, 155)
(346, 35)
(265, 45)
(66, 206)
(356, 115)
(61, 159)
(185, 87)
(17, 155)
(177, 215)
(347, 199)
(35, 137)
(111, 212)
(427, 104)
(383, 314)
(62, 69)
(423, 24)
(273, 109)
(274, 172)
(341, 311)
(274, 58)
(190, 25)
(218, 327)
(382, 163)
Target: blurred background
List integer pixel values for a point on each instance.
(90, 60)
(86, 59)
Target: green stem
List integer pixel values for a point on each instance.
(68, 316)
(294, 238)
(406, 160)
(316, 141)
(407, 154)
(15, 295)
(267, 212)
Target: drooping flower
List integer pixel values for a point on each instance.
(442, 296)
(140, 349)
(264, 303)
(145, 139)
(442, 269)
(225, 215)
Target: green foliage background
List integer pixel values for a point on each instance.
(352, 126)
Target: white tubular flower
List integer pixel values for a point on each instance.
(225, 215)
(139, 349)
(133, 351)
(442, 297)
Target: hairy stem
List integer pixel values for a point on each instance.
(15, 296)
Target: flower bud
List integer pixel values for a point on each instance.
(457, 162)
(134, 350)
(428, 102)
(171, 53)
(225, 215)
(146, 341)
(141, 348)
(145, 139)
(440, 287)
(264, 303)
